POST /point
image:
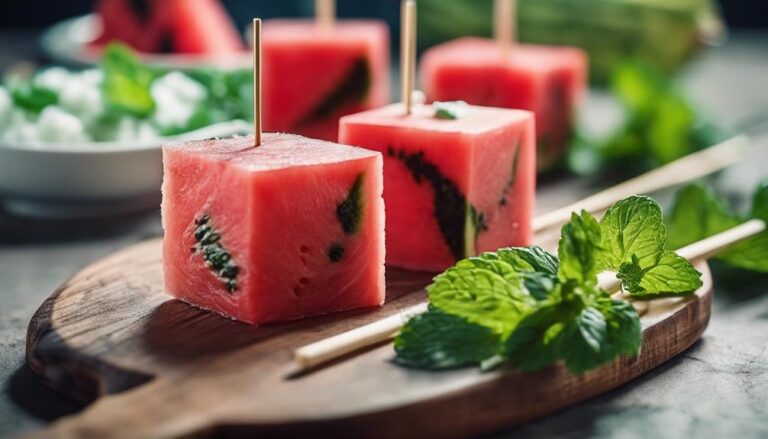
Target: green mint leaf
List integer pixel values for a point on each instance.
(582, 340)
(760, 202)
(669, 134)
(633, 227)
(534, 266)
(625, 334)
(584, 335)
(535, 342)
(634, 237)
(32, 98)
(697, 213)
(530, 259)
(673, 275)
(579, 249)
(450, 110)
(127, 82)
(631, 274)
(436, 340)
(482, 292)
(637, 85)
(752, 254)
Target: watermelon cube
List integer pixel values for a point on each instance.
(314, 75)
(290, 229)
(169, 26)
(452, 188)
(547, 80)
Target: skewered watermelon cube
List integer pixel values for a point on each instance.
(290, 229)
(452, 188)
(169, 26)
(314, 75)
(547, 80)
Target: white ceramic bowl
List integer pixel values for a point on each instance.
(62, 180)
(67, 42)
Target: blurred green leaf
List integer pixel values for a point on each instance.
(127, 81)
(31, 97)
(660, 126)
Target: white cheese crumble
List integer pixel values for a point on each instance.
(82, 96)
(176, 98)
(20, 129)
(6, 106)
(54, 78)
(56, 125)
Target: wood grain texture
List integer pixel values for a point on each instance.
(158, 368)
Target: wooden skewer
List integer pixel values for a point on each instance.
(680, 171)
(504, 24)
(337, 346)
(385, 329)
(257, 81)
(325, 13)
(708, 247)
(407, 52)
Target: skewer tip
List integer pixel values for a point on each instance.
(257, 81)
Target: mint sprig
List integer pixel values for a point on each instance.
(530, 309)
(698, 212)
(437, 340)
(634, 242)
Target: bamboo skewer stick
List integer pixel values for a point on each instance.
(385, 329)
(325, 13)
(680, 171)
(407, 52)
(257, 81)
(504, 24)
(337, 346)
(709, 247)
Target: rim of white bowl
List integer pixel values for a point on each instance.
(67, 40)
(222, 129)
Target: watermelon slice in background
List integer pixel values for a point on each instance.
(169, 26)
(453, 188)
(548, 80)
(313, 75)
(289, 229)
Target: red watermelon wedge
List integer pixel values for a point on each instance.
(169, 26)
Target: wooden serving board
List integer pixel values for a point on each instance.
(158, 368)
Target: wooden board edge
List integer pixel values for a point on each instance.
(489, 398)
(79, 377)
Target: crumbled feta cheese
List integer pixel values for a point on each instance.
(54, 78)
(20, 129)
(92, 76)
(56, 125)
(83, 97)
(5, 107)
(176, 98)
(134, 130)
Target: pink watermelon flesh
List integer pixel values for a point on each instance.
(170, 26)
(301, 222)
(313, 76)
(453, 188)
(547, 80)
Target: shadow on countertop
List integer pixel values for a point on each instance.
(30, 394)
(15, 230)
